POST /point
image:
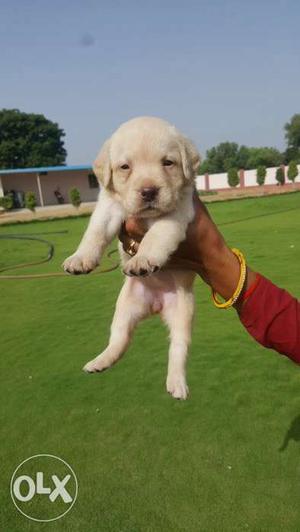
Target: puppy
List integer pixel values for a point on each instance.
(147, 170)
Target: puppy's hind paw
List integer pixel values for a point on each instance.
(177, 386)
(98, 364)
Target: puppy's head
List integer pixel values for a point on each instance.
(147, 163)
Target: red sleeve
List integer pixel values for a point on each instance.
(272, 316)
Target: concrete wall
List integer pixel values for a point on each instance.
(219, 181)
(200, 182)
(215, 181)
(24, 182)
(67, 180)
(64, 179)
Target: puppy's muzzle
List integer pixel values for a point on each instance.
(149, 194)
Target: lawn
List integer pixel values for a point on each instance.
(225, 460)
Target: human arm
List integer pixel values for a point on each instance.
(269, 314)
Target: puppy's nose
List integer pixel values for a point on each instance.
(149, 193)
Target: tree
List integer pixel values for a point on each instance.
(291, 154)
(280, 176)
(233, 177)
(242, 157)
(264, 157)
(292, 171)
(29, 140)
(6, 202)
(30, 201)
(230, 155)
(75, 197)
(292, 134)
(261, 175)
(220, 158)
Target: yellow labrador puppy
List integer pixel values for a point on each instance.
(146, 169)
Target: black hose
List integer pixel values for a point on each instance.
(47, 258)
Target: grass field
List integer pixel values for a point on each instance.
(144, 461)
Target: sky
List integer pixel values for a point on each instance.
(218, 70)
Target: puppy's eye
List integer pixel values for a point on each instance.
(167, 162)
(125, 167)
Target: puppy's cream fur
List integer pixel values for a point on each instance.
(145, 153)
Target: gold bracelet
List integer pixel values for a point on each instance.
(243, 270)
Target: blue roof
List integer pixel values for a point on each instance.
(46, 169)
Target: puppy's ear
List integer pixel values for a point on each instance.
(102, 167)
(190, 158)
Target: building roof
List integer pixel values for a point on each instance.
(45, 169)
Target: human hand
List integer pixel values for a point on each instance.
(203, 241)
(203, 251)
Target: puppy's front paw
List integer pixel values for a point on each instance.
(140, 266)
(177, 386)
(78, 263)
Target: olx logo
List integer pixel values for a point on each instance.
(44, 487)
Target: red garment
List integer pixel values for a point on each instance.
(272, 316)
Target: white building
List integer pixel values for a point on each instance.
(50, 183)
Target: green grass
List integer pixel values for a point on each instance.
(144, 461)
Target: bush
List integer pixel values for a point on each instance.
(280, 176)
(75, 197)
(30, 201)
(261, 175)
(233, 177)
(7, 202)
(292, 171)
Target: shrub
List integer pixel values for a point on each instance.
(261, 175)
(233, 177)
(292, 171)
(280, 176)
(7, 202)
(30, 201)
(75, 197)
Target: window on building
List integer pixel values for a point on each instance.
(93, 182)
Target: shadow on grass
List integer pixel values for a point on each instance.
(292, 434)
